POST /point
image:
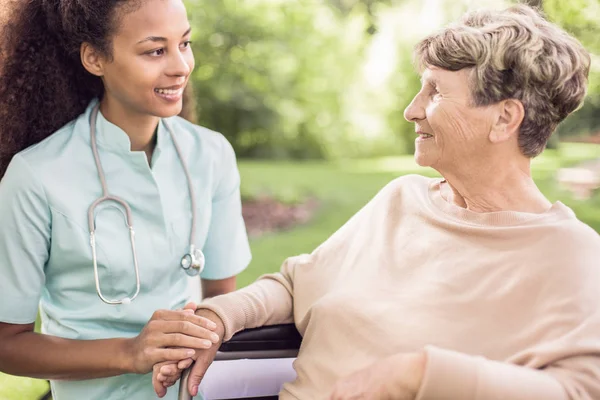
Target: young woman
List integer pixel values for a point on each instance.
(108, 200)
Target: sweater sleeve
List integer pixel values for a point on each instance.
(454, 375)
(268, 301)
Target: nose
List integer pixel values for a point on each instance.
(415, 111)
(180, 63)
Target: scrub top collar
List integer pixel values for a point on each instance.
(112, 138)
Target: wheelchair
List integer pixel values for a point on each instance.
(268, 342)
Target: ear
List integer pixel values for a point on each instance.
(91, 59)
(508, 118)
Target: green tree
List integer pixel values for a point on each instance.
(272, 75)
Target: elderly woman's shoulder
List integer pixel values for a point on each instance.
(405, 188)
(574, 236)
(409, 183)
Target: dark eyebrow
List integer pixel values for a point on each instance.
(160, 38)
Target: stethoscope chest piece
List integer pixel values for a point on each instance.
(193, 262)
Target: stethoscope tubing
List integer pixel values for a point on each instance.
(106, 196)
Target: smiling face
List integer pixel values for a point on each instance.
(450, 130)
(151, 59)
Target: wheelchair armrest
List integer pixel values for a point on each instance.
(274, 337)
(275, 341)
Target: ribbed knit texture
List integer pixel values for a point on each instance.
(505, 304)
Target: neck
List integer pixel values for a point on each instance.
(496, 186)
(141, 128)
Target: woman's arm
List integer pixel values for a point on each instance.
(268, 301)
(442, 374)
(26, 353)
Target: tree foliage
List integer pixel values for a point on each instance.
(321, 79)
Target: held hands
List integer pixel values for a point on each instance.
(166, 374)
(169, 336)
(397, 377)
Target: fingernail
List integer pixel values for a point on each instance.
(211, 325)
(207, 343)
(190, 353)
(214, 337)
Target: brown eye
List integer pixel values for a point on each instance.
(156, 53)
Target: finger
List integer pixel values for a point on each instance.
(171, 380)
(191, 306)
(168, 380)
(170, 315)
(183, 364)
(196, 376)
(159, 388)
(185, 341)
(186, 328)
(168, 370)
(160, 355)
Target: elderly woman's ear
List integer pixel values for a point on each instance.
(508, 116)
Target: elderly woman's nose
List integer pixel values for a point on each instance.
(414, 111)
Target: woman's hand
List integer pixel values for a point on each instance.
(167, 374)
(170, 336)
(397, 377)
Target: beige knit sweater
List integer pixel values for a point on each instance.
(506, 304)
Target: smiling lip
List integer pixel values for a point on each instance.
(424, 134)
(170, 94)
(174, 87)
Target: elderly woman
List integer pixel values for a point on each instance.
(469, 287)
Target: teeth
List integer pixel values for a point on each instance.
(167, 91)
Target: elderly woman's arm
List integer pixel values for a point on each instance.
(442, 374)
(268, 301)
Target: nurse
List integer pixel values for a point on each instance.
(89, 97)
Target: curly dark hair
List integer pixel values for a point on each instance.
(43, 84)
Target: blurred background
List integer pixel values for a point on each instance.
(311, 95)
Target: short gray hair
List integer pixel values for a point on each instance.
(515, 54)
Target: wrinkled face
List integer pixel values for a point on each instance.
(450, 131)
(152, 59)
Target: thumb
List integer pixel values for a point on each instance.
(196, 375)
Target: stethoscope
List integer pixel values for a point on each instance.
(192, 262)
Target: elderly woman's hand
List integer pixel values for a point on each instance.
(166, 374)
(397, 377)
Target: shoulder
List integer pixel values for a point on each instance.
(202, 137)
(574, 237)
(390, 201)
(406, 187)
(49, 150)
(566, 254)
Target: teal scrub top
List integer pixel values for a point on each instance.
(45, 253)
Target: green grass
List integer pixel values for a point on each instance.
(342, 189)
(17, 388)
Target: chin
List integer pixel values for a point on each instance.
(167, 111)
(422, 160)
